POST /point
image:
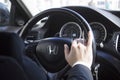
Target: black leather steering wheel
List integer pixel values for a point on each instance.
(50, 51)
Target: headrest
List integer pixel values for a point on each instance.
(11, 45)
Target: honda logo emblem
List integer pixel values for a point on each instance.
(52, 49)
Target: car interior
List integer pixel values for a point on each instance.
(33, 45)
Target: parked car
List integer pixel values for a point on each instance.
(45, 27)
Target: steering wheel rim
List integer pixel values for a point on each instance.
(25, 30)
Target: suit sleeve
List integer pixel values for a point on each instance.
(79, 72)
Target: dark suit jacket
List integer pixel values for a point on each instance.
(79, 72)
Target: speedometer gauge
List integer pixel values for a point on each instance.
(71, 30)
(99, 32)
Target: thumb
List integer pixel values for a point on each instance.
(66, 50)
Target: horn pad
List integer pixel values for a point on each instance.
(50, 53)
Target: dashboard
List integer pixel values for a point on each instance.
(99, 31)
(105, 26)
(70, 30)
(106, 30)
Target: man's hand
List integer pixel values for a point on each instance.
(80, 53)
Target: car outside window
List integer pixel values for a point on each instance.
(4, 13)
(36, 6)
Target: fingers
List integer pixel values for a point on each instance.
(81, 51)
(90, 38)
(78, 44)
(81, 46)
(74, 43)
(66, 50)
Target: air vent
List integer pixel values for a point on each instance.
(33, 35)
(118, 43)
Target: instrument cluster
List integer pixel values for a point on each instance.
(73, 30)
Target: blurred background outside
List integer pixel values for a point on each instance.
(40, 5)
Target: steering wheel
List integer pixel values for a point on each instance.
(50, 51)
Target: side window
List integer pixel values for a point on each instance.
(4, 13)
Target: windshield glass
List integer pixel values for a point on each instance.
(36, 6)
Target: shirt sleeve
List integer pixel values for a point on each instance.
(79, 72)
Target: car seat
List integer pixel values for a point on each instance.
(11, 45)
(10, 69)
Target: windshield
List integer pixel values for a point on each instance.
(36, 6)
